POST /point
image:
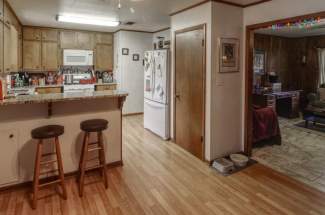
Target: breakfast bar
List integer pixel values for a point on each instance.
(20, 115)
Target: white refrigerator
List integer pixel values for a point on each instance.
(156, 93)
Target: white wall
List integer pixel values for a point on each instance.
(129, 73)
(226, 93)
(279, 9)
(193, 17)
(223, 91)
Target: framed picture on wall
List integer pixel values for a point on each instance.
(229, 55)
(259, 61)
(125, 51)
(136, 57)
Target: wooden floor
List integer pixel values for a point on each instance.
(160, 178)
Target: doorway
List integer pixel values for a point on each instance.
(284, 102)
(190, 49)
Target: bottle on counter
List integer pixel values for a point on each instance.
(3, 88)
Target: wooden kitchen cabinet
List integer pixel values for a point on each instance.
(84, 40)
(104, 57)
(10, 48)
(1, 47)
(1, 9)
(104, 38)
(9, 157)
(67, 39)
(50, 61)
(32, 55)
(31, 33)
(50, 35)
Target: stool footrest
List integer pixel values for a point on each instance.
(49, 172)
(94, 167)
(93, 143)
(48, 162)
(48, 154)
(95, 149)
(50, 183)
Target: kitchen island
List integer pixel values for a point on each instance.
(19, 115)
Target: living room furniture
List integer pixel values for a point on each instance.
(314, 114)
(286, 104)
(265, 125)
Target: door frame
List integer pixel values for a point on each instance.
(184, 30)
(248, 112)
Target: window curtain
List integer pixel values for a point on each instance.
(321, 54)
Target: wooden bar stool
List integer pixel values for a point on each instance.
(42, 133)
(90, 126)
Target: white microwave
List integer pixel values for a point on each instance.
(72, 57)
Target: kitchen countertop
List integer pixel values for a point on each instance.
(57, 97)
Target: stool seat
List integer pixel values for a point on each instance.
(46, 132)
(94, 125)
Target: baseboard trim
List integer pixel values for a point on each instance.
(66, 175)
(133, 114)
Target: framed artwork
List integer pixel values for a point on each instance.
(136, 57)
(125, 51)
(229, 55)
(259, 61)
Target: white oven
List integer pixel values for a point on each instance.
(72, 57)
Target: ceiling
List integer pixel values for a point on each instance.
(149, 15)
(295, 32)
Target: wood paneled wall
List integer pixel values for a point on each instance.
(285, 58)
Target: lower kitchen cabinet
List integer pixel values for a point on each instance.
(9, 165)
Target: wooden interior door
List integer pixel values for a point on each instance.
(190, 89)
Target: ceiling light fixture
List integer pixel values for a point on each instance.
(87, 20)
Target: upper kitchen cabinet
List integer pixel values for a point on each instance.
(31, 33)
(67, 39)
(104, 38)
(104, 57)
(50, 59)
(1, 47)
(10, 50)
(1, 9)
(50, 35)
(84, 40)
(32, 55)
(76, 40)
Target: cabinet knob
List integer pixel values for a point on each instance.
(11, 136)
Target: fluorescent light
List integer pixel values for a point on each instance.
(87, 20)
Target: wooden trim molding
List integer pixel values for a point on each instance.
(164, 29)
(248, 120)
(133, 114)
(67, 175)
(219, 1)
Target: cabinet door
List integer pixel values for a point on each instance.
(9, 157)
(67, 39)
(31, 33)
(6, 48)
(31, 55)
(49, 56)
(84, 40)
(104, 38)
(1, 9)
(13, 49)
(104, 57)
(50, 35)
(1, 47)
